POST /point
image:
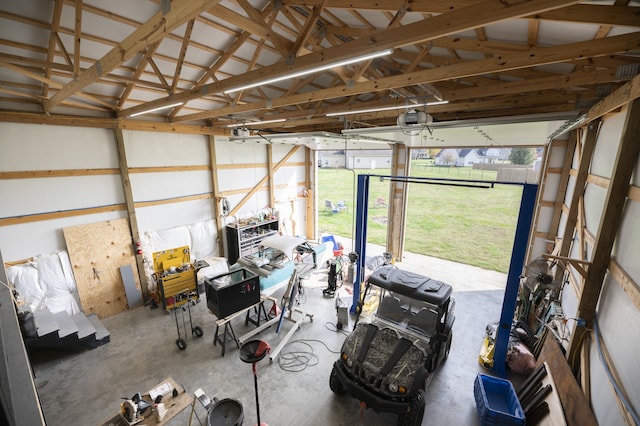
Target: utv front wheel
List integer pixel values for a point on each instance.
(413, 417)
(335, 384)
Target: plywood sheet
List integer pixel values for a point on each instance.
(97, 251)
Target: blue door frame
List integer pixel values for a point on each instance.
(518, 252)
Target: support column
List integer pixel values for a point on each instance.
(523, 228)
(217, 198)
(131, 208)
(360, 246)
(398, 196)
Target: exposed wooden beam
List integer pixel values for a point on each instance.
(52, 83)
(255, 26)
(162, 23)
(107, 123)
(155, 68)
(144, 60)
(532, 35)
(63, 50)
(562, 186)
(130, 205)
(595, 14)
(309, 25)
(77, 37)
(608, 228)
(53, 36)
(474, 16)
(535, 56)
(183, 51)
(622, 96)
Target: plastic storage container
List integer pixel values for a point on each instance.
(497, 402)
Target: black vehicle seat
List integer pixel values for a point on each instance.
(425, 320)
(391, 309)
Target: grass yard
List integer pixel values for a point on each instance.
(467, 225)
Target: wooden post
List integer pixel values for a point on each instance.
(310, 177)
(578, 191)
(217, 211)
(131, 208)
(398, 196)
(626, 159)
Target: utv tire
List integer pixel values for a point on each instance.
(335, 384)
(416, 411)
(447, 347)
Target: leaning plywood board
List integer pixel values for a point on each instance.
(97, 251)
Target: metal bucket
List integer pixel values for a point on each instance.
(225, 412)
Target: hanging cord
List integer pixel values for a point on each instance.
(619, 392)
(296, 360)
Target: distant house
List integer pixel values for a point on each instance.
(461, 157)
(356, 159)
(468, 156)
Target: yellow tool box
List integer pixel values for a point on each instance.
(175, 277)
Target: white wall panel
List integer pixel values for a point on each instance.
(603, 399)
(594, 198)
(627, 246)
(44, 195)
(155, 149)
(240, 153)
(571, 185)
(556, 159)
(159, 186)
(176, 214)
(43, 147)
(544, 218)
(604, 154)
(551, 186)
(619, 319)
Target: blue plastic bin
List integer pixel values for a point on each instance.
(497, 402)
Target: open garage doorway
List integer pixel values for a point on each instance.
(466, 225)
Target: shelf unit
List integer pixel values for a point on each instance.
(245, 240)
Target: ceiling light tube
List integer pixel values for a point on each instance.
(387, 108)
(147, 111)
(313, 70)
(255, 123)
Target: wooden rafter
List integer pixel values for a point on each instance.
(474, 16)
(180, 11)
(256, 27)
(52, 83)
(306, 30)
(63, 49)
(53, 37)
(535, 56)
(587, 13)
(77, 37)
(183, 52)
(144, 60)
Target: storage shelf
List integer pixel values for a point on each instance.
(239, 245)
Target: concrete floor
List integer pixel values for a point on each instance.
(86, 388)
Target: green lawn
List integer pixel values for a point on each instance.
(468, 225)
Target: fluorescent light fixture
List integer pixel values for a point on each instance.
(255, 123)
(147, 111)
(388, 108)
(313, 70)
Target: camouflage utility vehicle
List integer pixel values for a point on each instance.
(385, 362)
